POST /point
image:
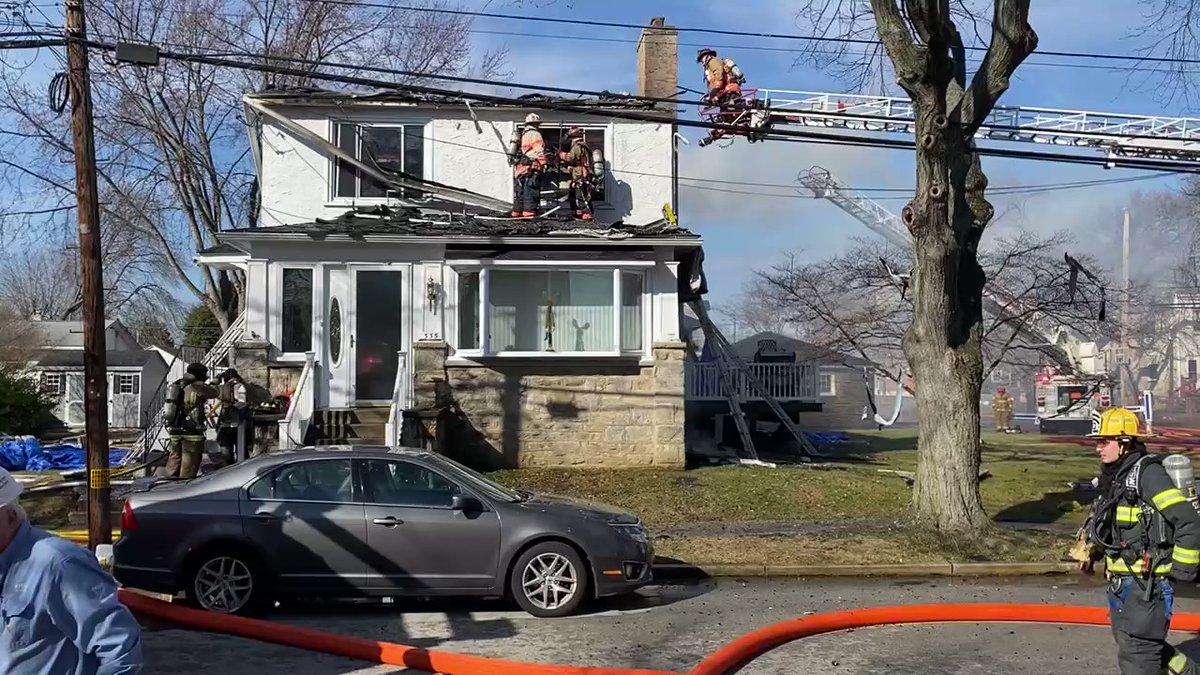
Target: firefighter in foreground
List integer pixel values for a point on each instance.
(1002, 408)
(1149, 534)
(576, 159)
(529, 163)
(186, 418)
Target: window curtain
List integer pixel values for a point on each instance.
(579, 305)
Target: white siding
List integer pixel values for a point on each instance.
(461, 153)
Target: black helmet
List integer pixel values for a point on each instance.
(230, 374)
(198, 371)
(703, 53)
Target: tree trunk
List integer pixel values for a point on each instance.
(943, 344)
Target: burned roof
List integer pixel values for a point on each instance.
(386, 220)
(605, 99)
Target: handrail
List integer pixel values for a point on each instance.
(399, 401)
(294, 426)
(784, 381)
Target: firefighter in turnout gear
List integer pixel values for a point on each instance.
(527, 172)
(1002, 408)
(723, 78)
(1149, 535)
(576, 160)
(185, 415)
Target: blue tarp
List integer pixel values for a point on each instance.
(828, 438)
(27, 454)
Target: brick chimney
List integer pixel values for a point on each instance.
(658, 62)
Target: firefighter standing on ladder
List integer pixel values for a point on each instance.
(1149, 534)
(724, 80)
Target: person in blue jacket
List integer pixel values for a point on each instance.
(59, 609)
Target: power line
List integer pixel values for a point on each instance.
(719, 31)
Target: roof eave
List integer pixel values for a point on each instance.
(264, 235)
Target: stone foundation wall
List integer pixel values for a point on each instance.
(537, 414)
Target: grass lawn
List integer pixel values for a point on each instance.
(1028, 483)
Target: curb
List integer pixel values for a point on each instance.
(977, 569)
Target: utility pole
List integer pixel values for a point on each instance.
(95, 377)
(1126, 360)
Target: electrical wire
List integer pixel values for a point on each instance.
(57, 92)
(774, 134)
(722, 31)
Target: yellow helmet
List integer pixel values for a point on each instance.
(1114, 423)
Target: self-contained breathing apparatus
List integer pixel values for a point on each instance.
(1096, 534)
(553, 189)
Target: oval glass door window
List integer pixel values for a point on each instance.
(335, 331)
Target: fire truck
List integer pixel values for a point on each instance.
(1065, 403)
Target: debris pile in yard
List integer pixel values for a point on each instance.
(25, 453)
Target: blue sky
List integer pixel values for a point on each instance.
(744, 233)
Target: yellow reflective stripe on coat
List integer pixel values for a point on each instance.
(1178, 665)
(1186, 556)
(1128, 514)
(1168, 498)
(1118, 566)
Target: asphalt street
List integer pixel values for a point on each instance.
(672, 627)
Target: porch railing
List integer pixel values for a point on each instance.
(400, 401)
(155, 434)
(293, 428)
(783, 381)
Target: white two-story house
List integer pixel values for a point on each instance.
(419, 306)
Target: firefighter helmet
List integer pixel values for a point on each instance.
(574, 132)
(533, 118)
(703, 53)
(1114, 423)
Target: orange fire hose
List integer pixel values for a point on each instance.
(355, 648)
(737, 654)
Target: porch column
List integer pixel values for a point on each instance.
(431, 393)
(667, 418)
(257, 305)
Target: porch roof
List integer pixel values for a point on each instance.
(384, 222)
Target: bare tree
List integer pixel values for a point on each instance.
(924, 45)
(173, 152)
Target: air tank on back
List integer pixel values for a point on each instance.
(1179, 468)
(598, 166)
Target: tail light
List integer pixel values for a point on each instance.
(129, 522)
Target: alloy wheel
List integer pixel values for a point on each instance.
(549, 581)
(224, 585)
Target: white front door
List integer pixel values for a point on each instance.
(339, 286)
(73, 398)
(367, 325)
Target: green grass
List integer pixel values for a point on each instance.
(1028, 483)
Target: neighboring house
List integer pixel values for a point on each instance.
(841, 388)
(133, 372)
(547, 342)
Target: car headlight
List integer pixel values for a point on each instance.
(634, 531)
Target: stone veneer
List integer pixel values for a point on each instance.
(545, 414)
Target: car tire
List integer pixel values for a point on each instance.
(227, 581)
(550, 580)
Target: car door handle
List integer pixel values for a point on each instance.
(388, 522)
(264, 515)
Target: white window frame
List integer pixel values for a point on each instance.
(821, 390)
(276, 318)
(608, 129)
(468, 356)
(60, 377)
(136, 383)
(425, 122)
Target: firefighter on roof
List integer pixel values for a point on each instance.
(576, 158)
(530, 162)
(1149, 534)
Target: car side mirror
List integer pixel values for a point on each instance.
(465, 504)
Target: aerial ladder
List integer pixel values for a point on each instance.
(1052, 339)
(1156, 142)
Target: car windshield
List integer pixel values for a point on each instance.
(480, 481)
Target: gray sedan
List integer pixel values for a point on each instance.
(346, 522)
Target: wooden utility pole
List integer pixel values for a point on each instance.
(95, 376)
